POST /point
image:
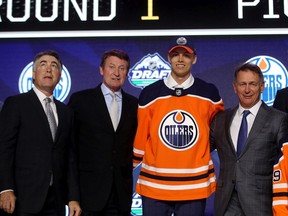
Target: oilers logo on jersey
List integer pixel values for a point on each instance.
(178, 130)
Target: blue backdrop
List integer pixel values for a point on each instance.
(217, 58)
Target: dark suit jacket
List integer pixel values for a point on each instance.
(252, 170)
(281, 100)
(28, 154)
(105, 156)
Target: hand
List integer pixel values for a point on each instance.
(74, 208)
(7, 201)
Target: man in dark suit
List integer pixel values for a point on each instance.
(281, 100)
(244, 186)
(105, 150)
(38, 169)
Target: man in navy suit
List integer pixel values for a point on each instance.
(38, 172)
(105, 150)
(244, 186)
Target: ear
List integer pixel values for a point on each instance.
(194, 59)
(101, 70)
(169, 59)
(234, 87)
(262, 87)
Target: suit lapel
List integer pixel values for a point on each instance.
(39, 111)
(125, 110)
(98, 100)
(260, 120)
(261, 117)
(60, 114)
(228, 121)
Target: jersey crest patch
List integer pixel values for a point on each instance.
(178, 130)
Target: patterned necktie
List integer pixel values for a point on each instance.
(242, 136)
(114, 111)
(50, 117)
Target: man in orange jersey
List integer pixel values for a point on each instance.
(172, 139)
(244, 186)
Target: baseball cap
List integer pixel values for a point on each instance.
(183, 42)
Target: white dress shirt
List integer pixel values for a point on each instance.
(236, 122)
(42, 97)
(108, 99)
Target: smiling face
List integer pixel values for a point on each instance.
(181, 62)
(46, 74)
(114, 72)
(248, 86)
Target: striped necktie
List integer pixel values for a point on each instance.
(114, 111)
(50, 117)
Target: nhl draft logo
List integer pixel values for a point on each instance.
(275, 76)
(178, 130)
(61, 91)
(148, 70)
(136, 208)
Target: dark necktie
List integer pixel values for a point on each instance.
(50, 117)
(114, 111)
(242, 136)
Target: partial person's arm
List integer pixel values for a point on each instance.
(280, 175)
(7, 201)
(280, 101)
(211, 136)
(280, 184)
(142, 135)
(74, 208)
(9, 126)
(73, 174)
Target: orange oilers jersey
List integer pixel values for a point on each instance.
(172, 141)
(280, 184)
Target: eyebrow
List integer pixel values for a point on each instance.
(45, 61)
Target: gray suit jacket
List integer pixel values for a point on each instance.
(252, 170)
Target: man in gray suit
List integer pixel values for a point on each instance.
(244, 186)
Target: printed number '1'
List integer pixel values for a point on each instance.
(150, 12)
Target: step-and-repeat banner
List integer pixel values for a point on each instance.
(217, 59)
(225, 33)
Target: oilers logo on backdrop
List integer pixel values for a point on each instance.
(178, 130)
(275, 76)
(61, 91)
(148, 70)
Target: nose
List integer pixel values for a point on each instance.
(247, 88)
(117, 72)
(180, 57)
(48, 68)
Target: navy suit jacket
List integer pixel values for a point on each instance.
(105, 156)
(252, 170)
(28, 154)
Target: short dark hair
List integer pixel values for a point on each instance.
(249, 66)
(49, 53)
(115, 52)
